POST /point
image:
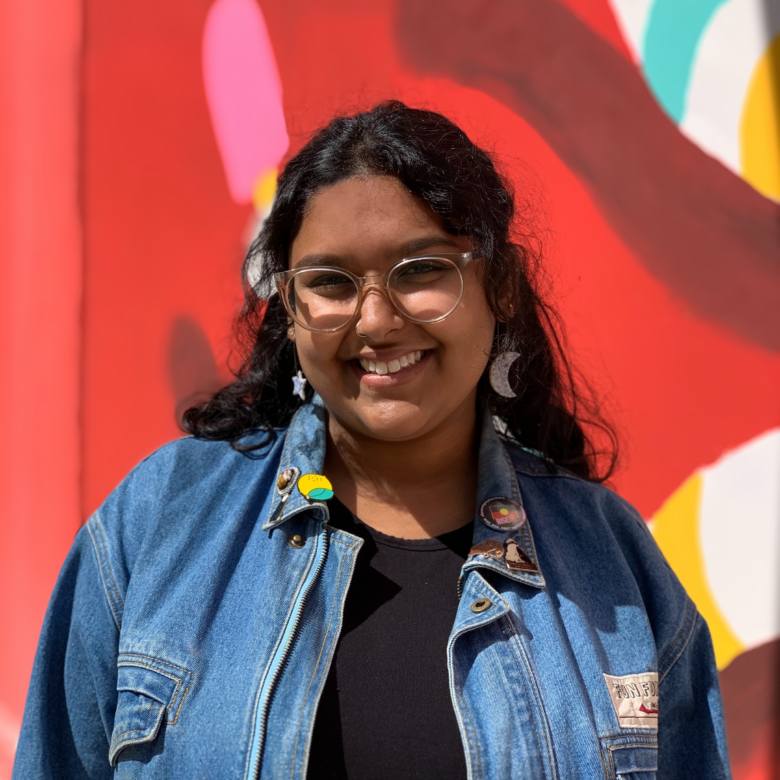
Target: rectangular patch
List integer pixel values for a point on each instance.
(635, 699)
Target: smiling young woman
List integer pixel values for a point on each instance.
(408, 567)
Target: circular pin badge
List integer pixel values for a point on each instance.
(315, 487)
(502, 514)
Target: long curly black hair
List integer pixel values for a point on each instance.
(552, 414)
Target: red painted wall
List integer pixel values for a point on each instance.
(40, 296)
(163, 242)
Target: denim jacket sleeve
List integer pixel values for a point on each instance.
(691, 725)
(691, 729)
(71, 701)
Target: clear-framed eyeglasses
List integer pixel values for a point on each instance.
(424, 289)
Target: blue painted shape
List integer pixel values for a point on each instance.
(671, 40)
(320, 494)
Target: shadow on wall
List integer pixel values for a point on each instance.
(192, 368)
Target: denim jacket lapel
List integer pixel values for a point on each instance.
(497, 478)
(304, 452)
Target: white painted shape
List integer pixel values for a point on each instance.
(731, 45)
(631, 16)
(740, 537)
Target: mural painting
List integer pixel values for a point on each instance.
(643, 140)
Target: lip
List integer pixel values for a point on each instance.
(377, 381)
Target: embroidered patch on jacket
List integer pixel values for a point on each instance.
(635, 699)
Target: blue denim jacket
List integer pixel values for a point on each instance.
(187, 638)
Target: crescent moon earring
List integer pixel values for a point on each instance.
(499, 373)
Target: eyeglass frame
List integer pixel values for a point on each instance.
(459, 259)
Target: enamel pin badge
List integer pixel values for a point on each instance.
(286, 481)
(502, 514)
(315, 487)
(490, 548)
(516, 559)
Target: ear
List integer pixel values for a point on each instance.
(508, 295)
(505, 301)
(291, 331)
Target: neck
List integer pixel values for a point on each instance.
(410, 489)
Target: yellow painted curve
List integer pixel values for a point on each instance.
(676, 529)
(759, 124)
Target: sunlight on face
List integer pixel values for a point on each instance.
(367, 224)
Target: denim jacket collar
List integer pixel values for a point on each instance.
(304, 453)
(497, 478)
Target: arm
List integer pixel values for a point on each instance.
(691, 729)
(71, 701)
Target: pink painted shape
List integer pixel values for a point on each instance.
(244, 94)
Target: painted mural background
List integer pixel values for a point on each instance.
(140, 144)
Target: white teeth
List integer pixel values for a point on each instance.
(378, 367)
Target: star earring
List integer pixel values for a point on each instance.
(299, 385)
(298, 379)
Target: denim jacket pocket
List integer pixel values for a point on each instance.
(631, 757)
(151, 692)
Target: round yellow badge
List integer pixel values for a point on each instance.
(315, 487)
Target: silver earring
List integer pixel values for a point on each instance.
(499, 373)
(299, 385)
(298, 379)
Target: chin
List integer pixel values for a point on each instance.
(390, 421)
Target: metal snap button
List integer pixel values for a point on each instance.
(296, 541)
(480, 605)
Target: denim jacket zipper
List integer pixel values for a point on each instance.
(283, 651)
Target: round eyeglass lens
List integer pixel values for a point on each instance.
(323, 298)
(427, 288)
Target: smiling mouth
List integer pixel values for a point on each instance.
(392, 366)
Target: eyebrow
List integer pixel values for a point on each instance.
(409, 249)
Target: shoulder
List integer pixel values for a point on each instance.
(565, 496)
(192, 467)
(593, 543)
(184, 488)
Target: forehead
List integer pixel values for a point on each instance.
(364, 214)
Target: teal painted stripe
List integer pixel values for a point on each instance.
(671, 39)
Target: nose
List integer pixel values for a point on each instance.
(378, 318)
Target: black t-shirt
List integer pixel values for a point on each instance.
(386, 711)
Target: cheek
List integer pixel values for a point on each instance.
(317, 353)
(472, 339)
